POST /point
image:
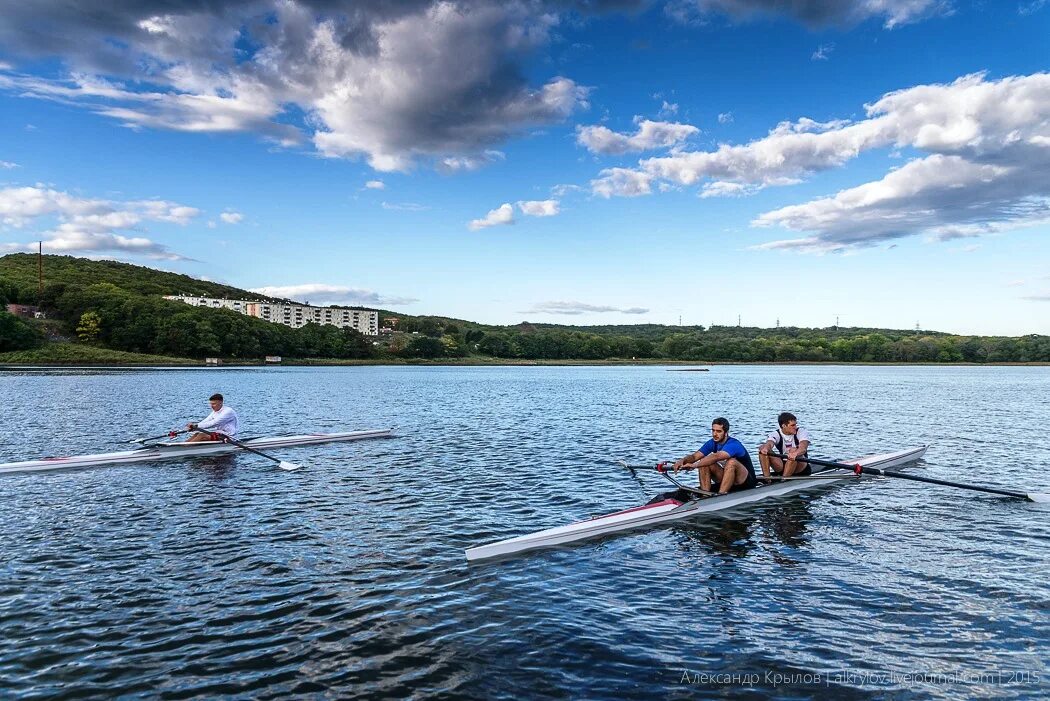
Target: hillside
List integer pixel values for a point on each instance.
(21, 270)
(119, 307)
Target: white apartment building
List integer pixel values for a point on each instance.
(291, 314)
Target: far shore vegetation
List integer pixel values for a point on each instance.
(105, 312)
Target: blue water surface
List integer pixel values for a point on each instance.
(226, 577)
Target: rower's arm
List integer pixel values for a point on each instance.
(803, 446)
(712, 458)
(689, 459)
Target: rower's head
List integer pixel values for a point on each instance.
(720, 429)
(215, 401)
(788, 423)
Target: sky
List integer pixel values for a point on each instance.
(876, 163)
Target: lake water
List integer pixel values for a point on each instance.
(225, 577)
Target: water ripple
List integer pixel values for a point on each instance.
(225, 577)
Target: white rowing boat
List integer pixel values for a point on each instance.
(168, 451)
(670, 510)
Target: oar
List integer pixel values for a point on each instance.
(861, 470)
(169, 434)
(283, 464)
(654, 466)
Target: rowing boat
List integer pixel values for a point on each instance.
(167, 451)
(670, 510)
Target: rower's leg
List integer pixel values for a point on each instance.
(763, 460)
(777, 465)
(705, 478)
(729, 476)
(197, 437)
(789, 468)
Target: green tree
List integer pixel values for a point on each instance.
(424, 347)
(17, 334)
(89, 326)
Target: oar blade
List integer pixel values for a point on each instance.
(1038, 498)
(285, 465)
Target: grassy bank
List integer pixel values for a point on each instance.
(77, 354)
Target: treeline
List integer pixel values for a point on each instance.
(118, 306)
(728, 344)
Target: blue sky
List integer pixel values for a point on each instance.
(886, 163)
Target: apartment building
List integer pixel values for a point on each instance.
(292, 314)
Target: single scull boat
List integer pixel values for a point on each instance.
(167, 451)
(670, 510)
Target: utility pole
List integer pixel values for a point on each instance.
(39, 273)
(778, 322)
(738, 321)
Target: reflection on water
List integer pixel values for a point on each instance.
(227, 577)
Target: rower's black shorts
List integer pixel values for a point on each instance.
(750, 483)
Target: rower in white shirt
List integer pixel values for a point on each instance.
(789, 440)
(222, 421)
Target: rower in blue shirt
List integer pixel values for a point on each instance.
(723, 458)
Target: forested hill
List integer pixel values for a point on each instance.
(658, 332)
(119, 307)
(20, 269)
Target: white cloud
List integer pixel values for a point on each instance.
(721, 188)
(650, 135)
(565, 189)
(504, 214)
(823, 52)
(322, 293)
(668, 108)
(987, 167)
(539, 208)
(1031, 7)
(577, 308)
(8, 165)
(725, 118)
(405, 206)
(393, 83)
(622, 182)
(231, 217)
(71, 224)
(454, 163)
(375, 185)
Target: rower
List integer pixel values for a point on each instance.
(723, 459)
(789, 440)
(222, 421)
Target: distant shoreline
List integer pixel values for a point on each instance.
(686, 365)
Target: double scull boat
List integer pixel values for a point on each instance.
(670, 510)
(167, 451)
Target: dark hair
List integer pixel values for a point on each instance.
(724, 423)
(786, 417)
(215, 396)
